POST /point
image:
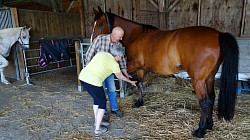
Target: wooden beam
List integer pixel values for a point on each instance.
(14, 17)
(55, 9)
(81, 11)
(243, 18)
(70, 6)
(154, 4)
(199, 13)
(172, 5)
(161, 5)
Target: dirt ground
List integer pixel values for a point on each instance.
(52, 108)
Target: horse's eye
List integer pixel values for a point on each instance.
(24, 37)
(100, 24)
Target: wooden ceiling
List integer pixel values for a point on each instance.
(65, 6)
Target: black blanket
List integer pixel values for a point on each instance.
(53, 51)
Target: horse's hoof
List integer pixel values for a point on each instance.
(138, 104)
(210, 125)
(199, 133)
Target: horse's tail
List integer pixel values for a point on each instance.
(229, 75)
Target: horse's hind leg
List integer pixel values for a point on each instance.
(3, 63)
(211, 96)
(204, 101)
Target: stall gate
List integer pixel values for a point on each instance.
(33, 54)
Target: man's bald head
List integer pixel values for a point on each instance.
(118, 30)
(117, 34)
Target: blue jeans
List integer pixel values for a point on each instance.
(109, 83)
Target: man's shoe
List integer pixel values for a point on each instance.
(117, 113)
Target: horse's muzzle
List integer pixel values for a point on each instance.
(25, 46)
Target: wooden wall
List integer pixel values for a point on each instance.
(50, 24)
(225, 15)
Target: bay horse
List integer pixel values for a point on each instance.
(8, 37)
(197, 50)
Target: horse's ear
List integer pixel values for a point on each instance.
(96, 12)
(29, 29)
(100, 10)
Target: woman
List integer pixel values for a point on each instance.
(98, 69)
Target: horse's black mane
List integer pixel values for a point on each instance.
(111, 18)
(145, 27)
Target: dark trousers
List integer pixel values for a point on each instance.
(97, 93)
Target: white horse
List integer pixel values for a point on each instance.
(8, 37)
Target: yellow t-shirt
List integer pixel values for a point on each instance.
(99, 68)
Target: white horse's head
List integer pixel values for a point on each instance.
(24, 38)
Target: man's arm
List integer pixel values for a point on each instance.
(123, 67)
(91, 50)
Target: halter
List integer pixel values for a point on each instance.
(109, 26)
(107, 18)
(20, 39)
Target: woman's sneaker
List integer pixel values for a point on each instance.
(100, 131)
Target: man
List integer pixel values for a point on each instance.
(103, 43)
(99, 68)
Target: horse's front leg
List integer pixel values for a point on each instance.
(134, 65)
(139, 102)
(205, 104)
(141, 88)
(3, 63)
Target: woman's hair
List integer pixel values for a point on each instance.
(117, 50)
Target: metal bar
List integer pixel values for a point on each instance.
(30, 66)
(51, 70)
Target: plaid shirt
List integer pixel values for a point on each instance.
(102, 43)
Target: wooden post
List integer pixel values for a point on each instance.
(78, 65)
(122, 87)
(81, 11)
(77, 43)
(19, 50)
(14, 17)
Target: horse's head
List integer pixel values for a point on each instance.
(101, 24)
(24, 38)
